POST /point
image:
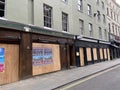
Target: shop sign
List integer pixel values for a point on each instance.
(2, 57)
(42, 56)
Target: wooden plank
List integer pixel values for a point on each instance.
(55, 66)
(11, 64)
(108, 51)
(105, 54)
(95, 54)
(101, 54)
(81, 57)
(88, 50)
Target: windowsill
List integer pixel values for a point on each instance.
(48, 28)
(64, 2)
(80, 11)
(90, 16)
(3, 18)
(66, 32)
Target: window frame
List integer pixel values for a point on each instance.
(105, 34)
(100, 32)
(104, 19)
(2, 8)
(80, 5)
(98, 15)
(81, 22)
(103, 5)
(48, 22)
(89, 8)
(90, 28)
(64, 22)
(65, 1)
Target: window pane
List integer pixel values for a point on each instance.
(64, 21)
(47, 16)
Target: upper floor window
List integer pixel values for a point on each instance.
(114, 16)
(113, 30)
(90, 29)
(100, 33)
(64, 21)
(105, 34)
(98, 15)
(81, 26)
(97, 1)
(107, 11)
(116, 29)
(117, 17)
(47, 16)
(89, 10)
(80, 5)
(64, 0)
(104, 20)
(103, 6)
(111, 14)
(2, 8)
(109, 26)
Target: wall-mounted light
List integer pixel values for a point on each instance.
(27, 29)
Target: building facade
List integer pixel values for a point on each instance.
(113, 14)
(78, 17)
(51, 35)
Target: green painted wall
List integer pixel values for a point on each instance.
(31, 12)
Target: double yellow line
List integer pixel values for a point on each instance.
(86, 79)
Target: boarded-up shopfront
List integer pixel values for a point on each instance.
(9, 56)
(27, 50)
(46, 58)
(90, 51)
(9, 63)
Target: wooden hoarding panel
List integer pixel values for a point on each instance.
(101, 54)
(108, 52)
(105, 54)
(11, 62)
(81, 57)
(89, 57)
(95, 54)
(48, 58)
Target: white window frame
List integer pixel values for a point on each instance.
(65, 1)
(104, 19)
(89, 8)
(49, 18)
(65, 22)
(103, 5)
(80, 5)
(90, 27)
(3, 9)
(100, 33)
(81, 26)
(105, 34)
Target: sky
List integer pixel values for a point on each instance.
(118, 1)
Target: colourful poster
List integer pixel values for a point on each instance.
(42, 56)
(2, 57)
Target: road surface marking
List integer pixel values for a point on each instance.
(86, 79)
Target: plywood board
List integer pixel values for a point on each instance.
(89, 57)
(101, 54)
(81, 57)
(108, 52)
(105, 53)
(55, 66)
(10, 73)
(95, 54)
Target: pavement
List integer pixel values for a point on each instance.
(56, 79)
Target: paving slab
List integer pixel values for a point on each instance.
(56, 79)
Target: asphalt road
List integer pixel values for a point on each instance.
(106, 81)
